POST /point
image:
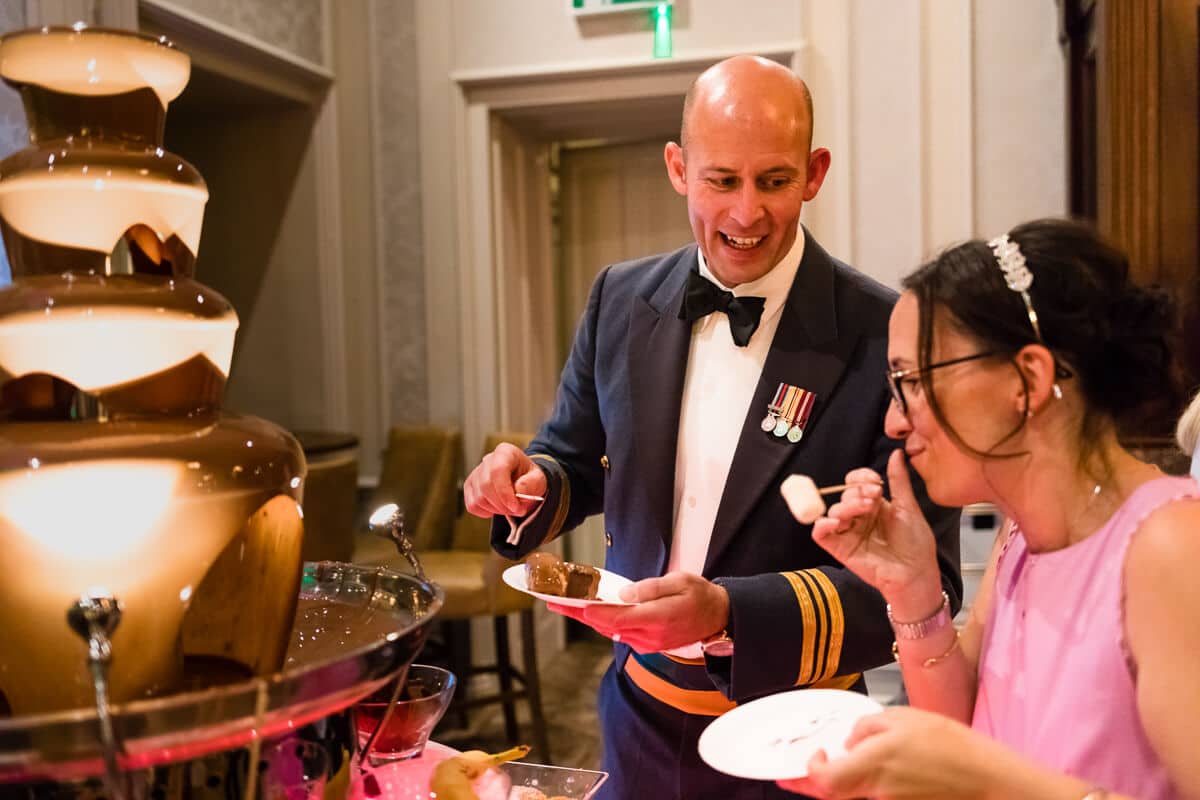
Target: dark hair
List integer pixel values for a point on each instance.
(1110, 334)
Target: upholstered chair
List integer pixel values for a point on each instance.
(422, 467)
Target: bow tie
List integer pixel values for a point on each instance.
(703, 297)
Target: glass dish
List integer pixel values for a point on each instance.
(573, 784)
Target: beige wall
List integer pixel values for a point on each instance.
(1020, 126)
(925, 104)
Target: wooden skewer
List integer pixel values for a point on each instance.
(538, 496)
(825, 490)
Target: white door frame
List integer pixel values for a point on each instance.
(480, 95)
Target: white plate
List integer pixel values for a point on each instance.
(773, 738)
(606, 593)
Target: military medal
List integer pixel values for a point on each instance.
(788, 413)
(772, 417)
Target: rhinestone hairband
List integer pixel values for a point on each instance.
(1018, 278)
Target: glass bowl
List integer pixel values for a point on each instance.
(573, 784)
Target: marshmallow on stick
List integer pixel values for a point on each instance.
(804, 498)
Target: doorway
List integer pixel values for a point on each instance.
(574, 190)
(614, 203)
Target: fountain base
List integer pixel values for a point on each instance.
(289, 735)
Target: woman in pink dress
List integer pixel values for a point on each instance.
(1013, 365)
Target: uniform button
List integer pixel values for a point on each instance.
(604, 461)
(608, 538)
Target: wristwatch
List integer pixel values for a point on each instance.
(719, 644)
(923, 627)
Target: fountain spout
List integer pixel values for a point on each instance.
(94, 617)
(388, 521)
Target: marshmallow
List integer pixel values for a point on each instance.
(802, 498)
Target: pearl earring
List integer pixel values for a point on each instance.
(1057, 392)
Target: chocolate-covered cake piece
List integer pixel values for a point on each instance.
(544, 574)
(583, 580)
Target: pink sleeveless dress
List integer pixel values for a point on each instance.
(1056, 682)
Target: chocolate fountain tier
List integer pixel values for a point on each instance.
(66, 204)
(134, 344)
(80, 81)
(192, 524)
(355, 628)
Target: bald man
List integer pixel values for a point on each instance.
(698, 381)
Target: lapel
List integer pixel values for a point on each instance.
(806, 352)
(658, 350)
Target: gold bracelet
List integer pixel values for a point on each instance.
(932, 660)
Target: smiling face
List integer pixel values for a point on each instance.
(976, 398)
(745, 166)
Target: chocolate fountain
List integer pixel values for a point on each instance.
(161, 636)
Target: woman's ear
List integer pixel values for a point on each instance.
(1037, 366)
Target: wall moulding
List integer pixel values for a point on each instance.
(229, 52)
(603, 80)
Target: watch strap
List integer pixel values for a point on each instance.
(922, 627)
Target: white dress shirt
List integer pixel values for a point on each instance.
(718, 387)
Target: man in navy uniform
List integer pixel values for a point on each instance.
(697, 382)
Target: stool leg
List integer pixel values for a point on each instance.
(504, 670)
(458, 645)
(533, 688)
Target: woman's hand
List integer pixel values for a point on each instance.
(903, 752)
(887, 544)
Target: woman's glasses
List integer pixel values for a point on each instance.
(904, 382)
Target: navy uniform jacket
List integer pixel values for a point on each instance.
(797, 616)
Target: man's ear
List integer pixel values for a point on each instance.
(673, 155)
(818, 165)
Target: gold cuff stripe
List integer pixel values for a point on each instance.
(823, 625)
(564, 497)
(692, 701)
(820, 630)
(807, 623)
(837, 622)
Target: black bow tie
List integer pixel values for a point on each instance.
(703, 297)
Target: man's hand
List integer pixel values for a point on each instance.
(492, 486)
(674, 610)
